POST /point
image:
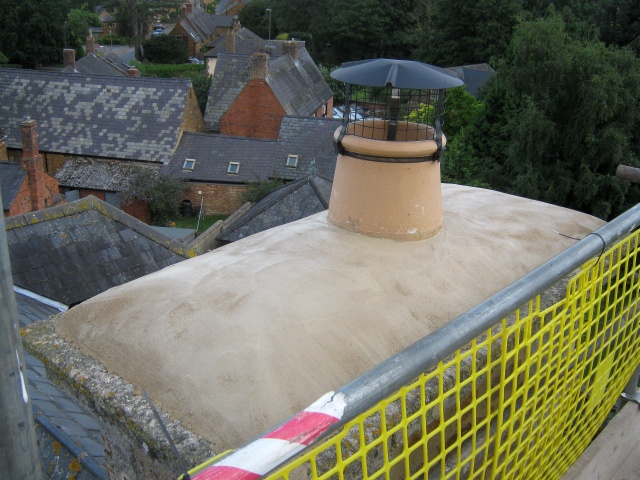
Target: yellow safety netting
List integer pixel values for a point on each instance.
(522, 401)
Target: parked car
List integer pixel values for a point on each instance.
(157, 31)
(194, 60)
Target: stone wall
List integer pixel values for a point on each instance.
(219, 199)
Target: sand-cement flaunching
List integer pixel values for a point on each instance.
(235, 341)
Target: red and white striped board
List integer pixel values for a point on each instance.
(266, 453)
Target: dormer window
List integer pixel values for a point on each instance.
(189, 164)
(292, 161)
(234, 168)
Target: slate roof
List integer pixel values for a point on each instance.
(95, 115)
(11, 179)
(291, 202)
(311, 138)
(298, 85)
(245, 42)
(213, 154)
(199, 24)
(226, 5)
(92, 64)
(474, 76)
(75, 251)
(107, 175)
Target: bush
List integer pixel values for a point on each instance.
(111, 39)
(258, 189)
(165, 49)
(183, 70)
(162, 192)
(3, 59)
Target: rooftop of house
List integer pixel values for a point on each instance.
(291, 202)
(213, 155)
(72, 252)
(226, 5)
(94, 174)
(199, 24)
(311, 140)
(93, 64)
(245, 42)
(298, 85)
(95, 115)
(11, 178)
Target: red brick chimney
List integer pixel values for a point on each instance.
(31, 161)
(188, 8)
(230, 42)
(69, 55)
(133, 72)
(259, 66)
(291, 48)
(91, 46)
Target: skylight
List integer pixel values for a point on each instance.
(292, 161)
(234, 168)
(189, 164)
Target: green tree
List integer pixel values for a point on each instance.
(78, 22)
(557, 119)
(201, 84)
(619, 23)
(165, 49)
(3, 59)
(255, 17)
(162, 192)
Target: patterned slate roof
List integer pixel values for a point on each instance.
(299, 86)
(11, 179)
(213, 153)
(291, 202)
(94, 174)
(231, 75)
(311, 138)
(73, 252)
(92, 115)
(92, 64)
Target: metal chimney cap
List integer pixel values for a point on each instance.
(399, 73)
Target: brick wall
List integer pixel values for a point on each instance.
(255, 113)
(329, 109)
(219, 199)
(192, 120)
(22, 202)
(53, 162)
(138, 209)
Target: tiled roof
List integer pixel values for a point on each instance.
(100, 116)
(311, 138)
(246, 42)
(11, 179)
(299, 86)
(226, 5)
(73, 252)
(92, 64)
(289, 203)
(107, 175)
(231, 75)
(223, 20)
(213, 153)
(199, 24)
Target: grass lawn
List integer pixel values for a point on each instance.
(205, 222)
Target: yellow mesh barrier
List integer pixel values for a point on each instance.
(522, 401)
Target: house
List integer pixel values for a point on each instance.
(217, 168)
(109, 23)
(97, 117)
(25, 186)
(93, 64)
(250, 94)
(293, 201)
(240, 40)
(72, 252)
(197, 28)
(231, 7)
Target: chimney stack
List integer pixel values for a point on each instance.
(91, 46)
(291, 48)
(133, 72)
(230, 41)
(188, 8)
(31, 161)
(69, 55)
(259, 66)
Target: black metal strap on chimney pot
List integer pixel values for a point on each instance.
(372, 158)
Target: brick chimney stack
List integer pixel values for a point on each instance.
(259, 66)
(91, 46)
(31, 161)
(230, 41)
(188, 8)
(69, 55)
(133, 72)
(291, 48)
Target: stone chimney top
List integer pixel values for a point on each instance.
(259, 66)
(291, 48)
(133, 72)
(91, 46)
(230, 41)
(69, 55)
(236, 25)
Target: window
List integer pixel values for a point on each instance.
(324, 110)
(189, 164)
(292, 161)
(234, 168)
(113, 25)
